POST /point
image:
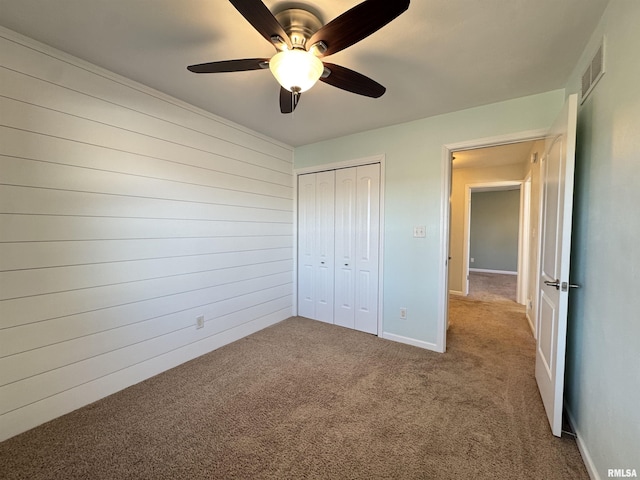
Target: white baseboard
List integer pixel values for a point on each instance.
(411, 341)
(530, 322)
(457, 292)
(488, 270)
(584, 451)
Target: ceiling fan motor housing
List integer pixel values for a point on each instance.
(299, 24)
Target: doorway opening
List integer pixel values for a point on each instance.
(492, 232)
(485, 259)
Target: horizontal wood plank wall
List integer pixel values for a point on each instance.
(124, 215)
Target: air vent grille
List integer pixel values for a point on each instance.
(596, 64)
(586, 81)
(593, 73)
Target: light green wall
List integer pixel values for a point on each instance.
(603, 350)
(493, 232)
(413, 195)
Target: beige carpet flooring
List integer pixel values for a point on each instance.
(492, 287)
(304, 399)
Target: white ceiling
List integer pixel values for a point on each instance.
(500, 155)
(439, 56)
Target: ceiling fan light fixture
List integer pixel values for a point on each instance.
(296, 70)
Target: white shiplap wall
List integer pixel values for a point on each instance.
(124, 215)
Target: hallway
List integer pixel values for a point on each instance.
(489, 332)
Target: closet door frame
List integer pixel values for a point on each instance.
(379, 159)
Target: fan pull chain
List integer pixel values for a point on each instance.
(293, 104)
(295, 98)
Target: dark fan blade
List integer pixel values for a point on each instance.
(288, 100)
(258, 15)
(353, 82)
(230, 65)
(357, 23)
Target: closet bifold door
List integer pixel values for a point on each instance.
(345, 235)
(324, 239)
(338, 246)
(316, 245)
(367, 245)
(357, 223)
(306, 229)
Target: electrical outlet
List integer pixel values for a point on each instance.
(420, 231)
(403, 313)
(472, 260)
(200, 321)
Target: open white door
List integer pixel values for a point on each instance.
(557, 197)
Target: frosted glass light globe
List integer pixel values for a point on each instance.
(296, 70)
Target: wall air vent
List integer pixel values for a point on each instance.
(593, 72)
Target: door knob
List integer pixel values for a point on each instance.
(553, 283)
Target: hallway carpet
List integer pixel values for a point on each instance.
(492, 287)
(304, 399)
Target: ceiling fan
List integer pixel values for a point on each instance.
(301, 40)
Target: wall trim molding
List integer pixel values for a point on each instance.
(490, 270)
(356, 162)
(410, 341)
(497, 140)
(582, 448)
(530, 322)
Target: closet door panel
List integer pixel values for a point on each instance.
(324, 251)
(345, 243)
(367, 247)
(306, 247)
(338, 244)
